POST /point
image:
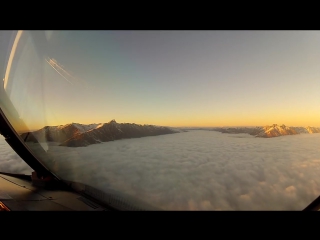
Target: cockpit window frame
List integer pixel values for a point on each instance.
(7, 130)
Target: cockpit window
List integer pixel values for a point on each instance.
(178, 120)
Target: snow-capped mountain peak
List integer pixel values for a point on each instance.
(274, 130)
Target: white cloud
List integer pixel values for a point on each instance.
(10, 161)
(201, 170)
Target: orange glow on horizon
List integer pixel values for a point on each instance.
(195, 123)
(51, 119)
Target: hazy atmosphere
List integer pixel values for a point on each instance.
(123, 111)
(172, 78)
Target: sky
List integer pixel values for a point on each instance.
(169, 78)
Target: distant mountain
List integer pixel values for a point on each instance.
(81, 135)
(274, 130)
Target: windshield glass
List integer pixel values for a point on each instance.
(178, 120)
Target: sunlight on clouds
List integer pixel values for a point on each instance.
(290, 190)
(198, 170)
(245, 197)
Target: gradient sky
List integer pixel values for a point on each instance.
(177, 78)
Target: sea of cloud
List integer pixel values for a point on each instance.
(10, 161)
(196, 170)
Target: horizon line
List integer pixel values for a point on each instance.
(194, 126)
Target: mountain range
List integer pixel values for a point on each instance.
(274, 130)
(81, 135)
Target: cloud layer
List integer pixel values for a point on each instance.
(10, 161)
(198, 170)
